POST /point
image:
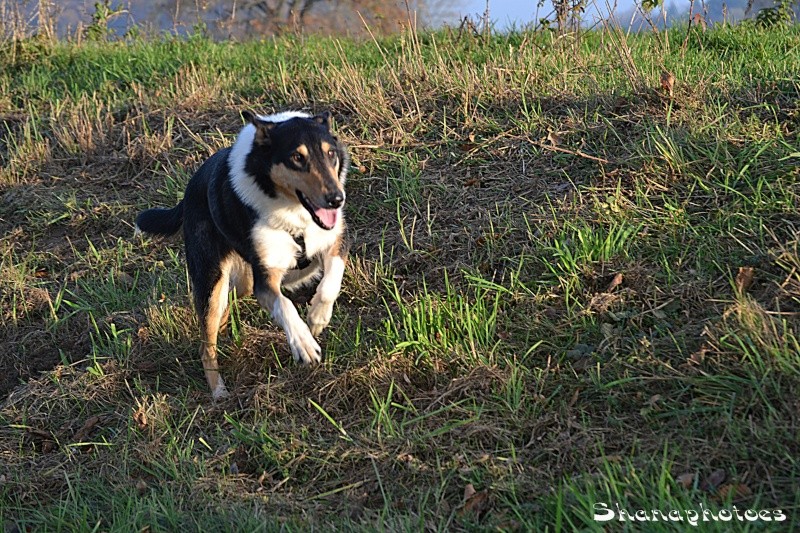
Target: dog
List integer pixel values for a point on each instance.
(262, 215)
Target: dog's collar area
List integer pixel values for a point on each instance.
(302, 258)
(324, 218)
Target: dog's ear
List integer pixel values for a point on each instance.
(249, 116)
(263, 127)
(324, 118)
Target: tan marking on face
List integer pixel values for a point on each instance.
(302, 150)
(326, 146)
(313, 183)
(288, 180)
(285, 179)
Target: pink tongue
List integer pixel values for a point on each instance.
(327, 216)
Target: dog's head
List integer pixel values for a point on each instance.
(306, 162)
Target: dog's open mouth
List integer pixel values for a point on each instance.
(324, 218)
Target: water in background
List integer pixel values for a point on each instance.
(225, 19)
(238, 19)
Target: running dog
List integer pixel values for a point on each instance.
(261, 215)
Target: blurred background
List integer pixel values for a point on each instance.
(240, 19)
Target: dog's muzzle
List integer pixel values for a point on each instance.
(324, 217)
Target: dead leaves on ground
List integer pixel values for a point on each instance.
(475, 503)
(667, 82)
(615, 282)
(714, 484)
(714, 480)
(744, 279)
(734, 492)
(45, 441)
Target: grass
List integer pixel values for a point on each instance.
(569, 285)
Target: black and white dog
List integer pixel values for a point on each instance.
(263, 214)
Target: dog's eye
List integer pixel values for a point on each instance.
(331, 154)
(297, 158)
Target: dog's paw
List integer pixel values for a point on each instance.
(319, 315)
(305, 349)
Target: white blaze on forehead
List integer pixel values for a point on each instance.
(284, 116)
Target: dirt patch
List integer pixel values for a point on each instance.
(35, 349)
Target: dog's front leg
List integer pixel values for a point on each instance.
(268, 293)
(319, 315)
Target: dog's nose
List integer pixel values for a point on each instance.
(334, 199)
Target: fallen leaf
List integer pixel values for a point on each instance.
(616, 282)
(744, 278)
(40, 433)
(469, 491)
(476, 504)
(667, 81)
(686, 480)
(140, 417)
(700, 21)
(554, 138)
(77, 274)
(472, 182)
(141, 487)
(699, 356)
(734, 492)
(574, 398)
(467, 147)
(82, 433)
(713, 481)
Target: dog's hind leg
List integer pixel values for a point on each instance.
(240, 280)
(211, 303)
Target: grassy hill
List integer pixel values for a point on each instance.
(575, 279)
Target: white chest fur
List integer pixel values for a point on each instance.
(274, 233)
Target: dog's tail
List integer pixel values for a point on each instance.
(160, 221)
